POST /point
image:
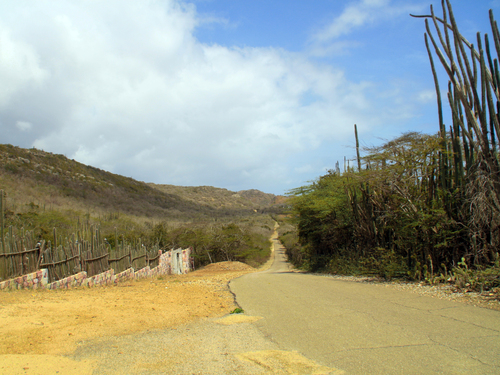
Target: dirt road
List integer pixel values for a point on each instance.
(364, 328)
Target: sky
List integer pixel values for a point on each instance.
(235, 94)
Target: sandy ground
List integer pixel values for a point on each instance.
(43, 327)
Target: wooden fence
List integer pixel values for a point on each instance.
(15, 259)
(21, 253)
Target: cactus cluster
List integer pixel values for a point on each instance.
(469, 169)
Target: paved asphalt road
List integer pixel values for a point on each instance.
(364, 328)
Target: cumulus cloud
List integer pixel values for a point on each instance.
(125, 86)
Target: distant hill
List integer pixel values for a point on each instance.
(258, 197)
(35, 177)
(221, 198)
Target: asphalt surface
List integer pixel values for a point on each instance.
(361, 328)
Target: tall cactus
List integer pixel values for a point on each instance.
(469, 167)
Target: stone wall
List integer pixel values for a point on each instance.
(72, 281)
(35, 280)
(39, 279)
(125, 275)
(105, 278)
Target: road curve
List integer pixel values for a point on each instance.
(362, 328)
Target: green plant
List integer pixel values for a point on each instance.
(237, 311)
(385, 263)
(478, 280)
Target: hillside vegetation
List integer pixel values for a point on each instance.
(45, 191)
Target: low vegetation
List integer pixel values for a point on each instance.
(245, 239)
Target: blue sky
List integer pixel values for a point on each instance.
(227, 93)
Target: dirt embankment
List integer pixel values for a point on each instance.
(44, 322)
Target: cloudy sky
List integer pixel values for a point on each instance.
(238, 94)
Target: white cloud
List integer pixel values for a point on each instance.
(19, 66)
(23, 125)
(125, 86)
(356, 15)
(426, 96)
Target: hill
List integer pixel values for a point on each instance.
(35, 178)
(221, 198)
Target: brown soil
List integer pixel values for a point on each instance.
(53, 323)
